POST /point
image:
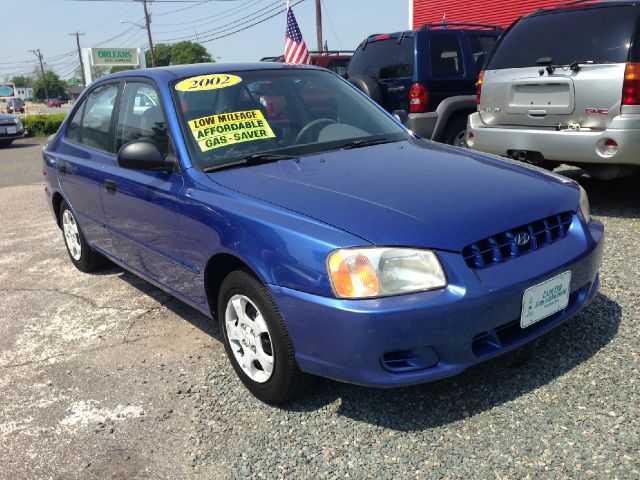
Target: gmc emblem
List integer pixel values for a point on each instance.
(597, 111)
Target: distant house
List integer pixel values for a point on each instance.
(75, 92)
(24, 92)
(75, 88)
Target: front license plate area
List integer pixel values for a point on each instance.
(545, 299)
(11, 130)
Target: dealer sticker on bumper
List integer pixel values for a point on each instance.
(545, 299)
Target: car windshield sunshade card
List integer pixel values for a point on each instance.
(225, 129)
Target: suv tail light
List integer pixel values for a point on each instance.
(479, 87)
(418, 98)
(631, 85)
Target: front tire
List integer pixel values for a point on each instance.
(82, 256)
(256, 340)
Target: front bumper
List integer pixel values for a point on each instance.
(475, 318)
(567, 146)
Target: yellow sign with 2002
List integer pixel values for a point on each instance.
(223, 129)
(207, 82)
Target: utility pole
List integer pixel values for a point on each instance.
(147, 19)
(77, 35)
(39, 55)
(319, 24)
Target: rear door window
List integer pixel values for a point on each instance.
(480, 47)
(602, 35)
(91, 125)
(446, 56)
(384, 59)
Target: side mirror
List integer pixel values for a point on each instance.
(401, 116)
(144, 155)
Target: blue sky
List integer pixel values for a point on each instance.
(46, 24)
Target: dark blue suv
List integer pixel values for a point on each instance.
(430, 74)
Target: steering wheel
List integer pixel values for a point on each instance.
(309, 126)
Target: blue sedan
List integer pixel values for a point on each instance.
(325, 237)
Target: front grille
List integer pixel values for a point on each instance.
(503, 246)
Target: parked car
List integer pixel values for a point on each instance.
(428, 76)
(15, 105)
(11, 129)
(562, 86)
(53, 102)
(324, 236)
(334, 60)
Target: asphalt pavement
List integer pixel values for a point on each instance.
(105, 376)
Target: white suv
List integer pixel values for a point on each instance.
(562, 86)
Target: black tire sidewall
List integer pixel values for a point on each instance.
(456, 125)
(285, 374)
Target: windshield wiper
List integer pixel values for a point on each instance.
(363, 143)
(250, 159)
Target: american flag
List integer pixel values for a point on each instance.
(295, 50)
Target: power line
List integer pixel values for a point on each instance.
(204, 19)
(256, 14)
(251, 25)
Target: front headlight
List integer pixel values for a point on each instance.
(584, 205)
(381, 271)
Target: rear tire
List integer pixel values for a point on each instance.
(256, 340)
(82, 256)
(456, 132)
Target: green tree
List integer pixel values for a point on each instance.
(56, 87)
(185, 52)
(162, 53)
(22, 81)
(180, 53)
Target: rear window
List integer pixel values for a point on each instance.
(384, 59)
(597, 34)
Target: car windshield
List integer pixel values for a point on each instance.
(276, 113)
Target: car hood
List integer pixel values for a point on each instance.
(412, 193)
(4, 117)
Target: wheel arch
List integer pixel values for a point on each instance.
(216, 270)
(450, 109)
(56, 201)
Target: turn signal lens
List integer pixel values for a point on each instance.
(377, 272)
(585, 210)
(631, 85)
(353, 275)
(479, 87)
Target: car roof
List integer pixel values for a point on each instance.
(182, 71)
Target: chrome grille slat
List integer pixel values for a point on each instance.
(501, 247)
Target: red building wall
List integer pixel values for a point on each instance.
(497, 12)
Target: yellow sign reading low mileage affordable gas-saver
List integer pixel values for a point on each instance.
(215, 131)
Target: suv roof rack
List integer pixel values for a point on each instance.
(430, 26)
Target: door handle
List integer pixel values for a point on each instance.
(110, 186)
